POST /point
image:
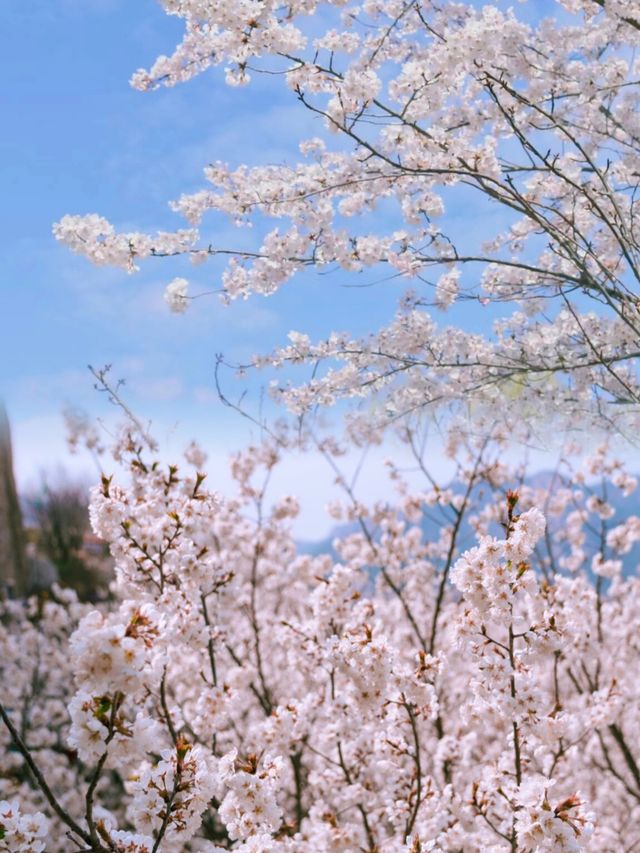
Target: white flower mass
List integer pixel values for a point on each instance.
(458, 670)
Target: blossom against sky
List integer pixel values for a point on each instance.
(78, 139)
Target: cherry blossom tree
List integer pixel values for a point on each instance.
(458, 673)
(428, 107)
(404, 693)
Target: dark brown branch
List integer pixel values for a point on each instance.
(42, 784)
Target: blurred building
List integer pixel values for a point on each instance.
(55, 545)
(13, 557)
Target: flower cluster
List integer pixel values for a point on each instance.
(404, 690)
(250, 806)
(21, 833)
(170, 796)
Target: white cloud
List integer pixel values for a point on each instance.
(163, 389)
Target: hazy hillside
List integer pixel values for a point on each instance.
(624, 507)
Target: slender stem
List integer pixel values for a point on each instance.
(95, 777)
(416, 757)
(167, 813)
(42, 784)
(516, 730)
(165, 708)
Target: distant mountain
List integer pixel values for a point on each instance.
(624, 507)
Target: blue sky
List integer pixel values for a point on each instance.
(77, 139)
